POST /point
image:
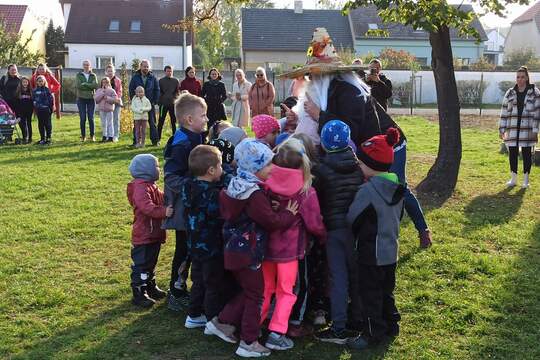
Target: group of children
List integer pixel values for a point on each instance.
(270, 231)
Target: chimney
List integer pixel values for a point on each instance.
(298, 7)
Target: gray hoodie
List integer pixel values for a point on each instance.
(374, 216)
(144, 166)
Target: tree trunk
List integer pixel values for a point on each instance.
(442, 177)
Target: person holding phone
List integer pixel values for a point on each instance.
(381, 86)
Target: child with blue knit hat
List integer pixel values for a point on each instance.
(339, 177)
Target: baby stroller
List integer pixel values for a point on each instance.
(8, 124)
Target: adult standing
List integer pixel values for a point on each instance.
(168, 92)
(380, 84)
(518, 126)
(86, 84)
(145, 78)
(190, 82)
(116, 84)
(262, 95)
(240, 96)
(52, 82)
(214, 93)
(9, 83)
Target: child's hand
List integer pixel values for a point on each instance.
(292, 206)
(169, 211)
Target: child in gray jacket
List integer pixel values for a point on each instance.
(374, 216)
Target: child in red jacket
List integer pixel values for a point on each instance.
(146, 236)
(290, 179)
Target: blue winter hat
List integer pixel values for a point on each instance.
(251, 155)
(144, 166)
(335, 135)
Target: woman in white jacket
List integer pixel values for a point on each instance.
(141, 106)
(240, 96)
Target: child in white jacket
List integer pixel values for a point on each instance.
(140, 105)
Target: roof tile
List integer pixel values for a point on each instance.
(13, 16)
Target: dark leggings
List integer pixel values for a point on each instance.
(44, 124)
(26, 124)
(513, 152)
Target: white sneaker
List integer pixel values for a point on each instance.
(196, 322)
(252, 350)
(115, 139)
(223, 331)
(525, 181)
(513, 180)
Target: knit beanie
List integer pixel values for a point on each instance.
(226, 148)
(252, 155)
(233, 134)
(143, 166)
(378, 152)
(263, 125)
(335, 135)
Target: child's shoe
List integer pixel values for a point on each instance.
(513, 180)
(224, 331)
(103, 139)
(93, 138)
(48, 141)
(425, 238)
(195, 322)
(178, 303)
(110, 139)
(252, 350)
(358, 343)
(115, 139)
(154, 292)
(525, 181)
(141, 298)
(277, 341)
(339, 337)
(41, 142)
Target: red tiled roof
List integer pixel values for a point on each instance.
(89, 22)
(13, 16)
(529, 14)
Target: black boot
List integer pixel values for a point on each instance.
(154, 292)
(141, 298)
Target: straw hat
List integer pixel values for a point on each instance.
(322, 58)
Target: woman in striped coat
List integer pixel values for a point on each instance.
(518, 126)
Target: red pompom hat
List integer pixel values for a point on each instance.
(378, 152)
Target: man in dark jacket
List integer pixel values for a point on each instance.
(168, 92)
(381, 86)
(338, 179)
(144, 77)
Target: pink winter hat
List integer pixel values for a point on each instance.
(263, 125)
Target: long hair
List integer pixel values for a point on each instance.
(525, 70)
(20, 88)
(292, 154)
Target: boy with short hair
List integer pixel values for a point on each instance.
(190, 111)
(147, 236)
(200, 194)
(374, 216)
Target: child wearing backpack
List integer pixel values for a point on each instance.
(146, 236)
(43, 106)
(290, 179)
(248, 215)
(106, 99)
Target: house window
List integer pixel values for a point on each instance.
(465, 61)
(114, 26)
(157, 62)
(103, 61)
(373, 26)
(421, 61)
(135, 26)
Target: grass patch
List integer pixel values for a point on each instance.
(64, 275)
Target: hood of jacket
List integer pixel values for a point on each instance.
(230, 208)
(143, 166)
(343, 162)
(388, 188)
(285, 181)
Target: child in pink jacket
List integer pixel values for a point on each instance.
(106, 98)
(290, 179)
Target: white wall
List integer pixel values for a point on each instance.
(523, 35)
(172, 55)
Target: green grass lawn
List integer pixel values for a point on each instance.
(64, 261)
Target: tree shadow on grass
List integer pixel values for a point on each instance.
(513, 333)
(495, 209)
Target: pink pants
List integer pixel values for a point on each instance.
(279, 279)
(140, 131)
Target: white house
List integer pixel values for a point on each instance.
(494, 46)
(118, 31)
(525, 31)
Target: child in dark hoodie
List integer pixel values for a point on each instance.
(374, 216)
(146, 236)
(248, 216)
(338, 179)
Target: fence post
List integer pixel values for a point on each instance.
(412, 94)
(481, 91)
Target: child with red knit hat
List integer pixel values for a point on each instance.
(374, 216)
(266, 129)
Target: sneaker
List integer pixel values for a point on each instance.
(297, 331)
(83, 138)
(252, 350)
(525, 181)
(93, 138)
(425, 239)
(224, 331)
(48, 142)
(320, 318)
(358, 343)
(140, 297)
(195, 322)
(513, 180)
(180, 303)
(103, 139)
(115, 139)
(335, 337)
(109, 139)
(155, 292)
(41, 142)
(277, 341)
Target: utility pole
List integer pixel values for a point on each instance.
(184, 36)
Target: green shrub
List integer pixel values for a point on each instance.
(470, 92)
(69, 90)
(505, 85)
(401, 94)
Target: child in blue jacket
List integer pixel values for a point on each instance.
(43, 105)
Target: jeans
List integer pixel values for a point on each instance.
(163, 111)
(44, 124)
(513, 153)
(152, 125)
(116, 121)
(86, 110)
(106, 123)
(412, 206)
